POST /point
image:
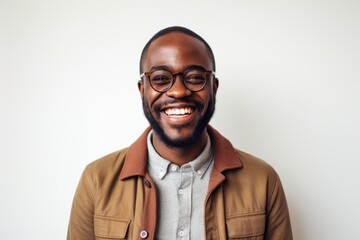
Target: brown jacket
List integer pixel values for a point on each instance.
(116, 198)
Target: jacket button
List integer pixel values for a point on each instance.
(147, 184)
(143, 234)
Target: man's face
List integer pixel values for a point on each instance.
(179, 116)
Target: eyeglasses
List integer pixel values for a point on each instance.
(194, 79)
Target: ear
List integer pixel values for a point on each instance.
(141, 87)
(215, 85)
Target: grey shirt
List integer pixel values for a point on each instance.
(181, 192)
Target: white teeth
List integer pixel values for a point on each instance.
(178, 111)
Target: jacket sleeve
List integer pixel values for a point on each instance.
(278, 226)
(81, 224)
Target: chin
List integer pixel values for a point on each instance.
(180, 141)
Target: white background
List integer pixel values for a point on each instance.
(289, 93)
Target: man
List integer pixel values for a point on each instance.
(181, 179)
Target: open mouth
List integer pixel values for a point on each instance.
(178, 111)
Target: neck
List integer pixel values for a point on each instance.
(179, 155)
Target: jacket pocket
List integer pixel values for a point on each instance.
(249, 226)
(110, 227)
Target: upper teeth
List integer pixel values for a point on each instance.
(178, 111)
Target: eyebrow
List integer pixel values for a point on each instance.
(166, 67)
(159, 67)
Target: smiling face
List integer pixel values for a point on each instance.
(178, 116)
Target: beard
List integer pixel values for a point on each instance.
(183, 142)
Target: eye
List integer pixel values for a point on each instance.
(195, 79)
(160, 81)
(160, 78)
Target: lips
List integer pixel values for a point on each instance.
(179, 116)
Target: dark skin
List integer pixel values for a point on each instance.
(176, 52)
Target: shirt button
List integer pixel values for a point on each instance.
(181, 191)
(181, 233)
(174, 168)
(143, 234)
(199, 172)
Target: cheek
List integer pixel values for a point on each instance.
(151, 95)
(206, 97)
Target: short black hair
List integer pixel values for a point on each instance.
(176, 29)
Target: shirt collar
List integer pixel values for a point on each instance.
(202, 162)
(136, 156)
(157, 164)
(160, 166)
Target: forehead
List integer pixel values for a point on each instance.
(177, 50)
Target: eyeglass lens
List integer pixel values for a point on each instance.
(193, 79)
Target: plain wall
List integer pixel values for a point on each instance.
(289, 94)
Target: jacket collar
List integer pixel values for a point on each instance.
(135, 163)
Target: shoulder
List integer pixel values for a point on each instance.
(254, 164)
(107, 166)
(254, 170)
(255, 178)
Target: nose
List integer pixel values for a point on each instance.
(178, 89)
